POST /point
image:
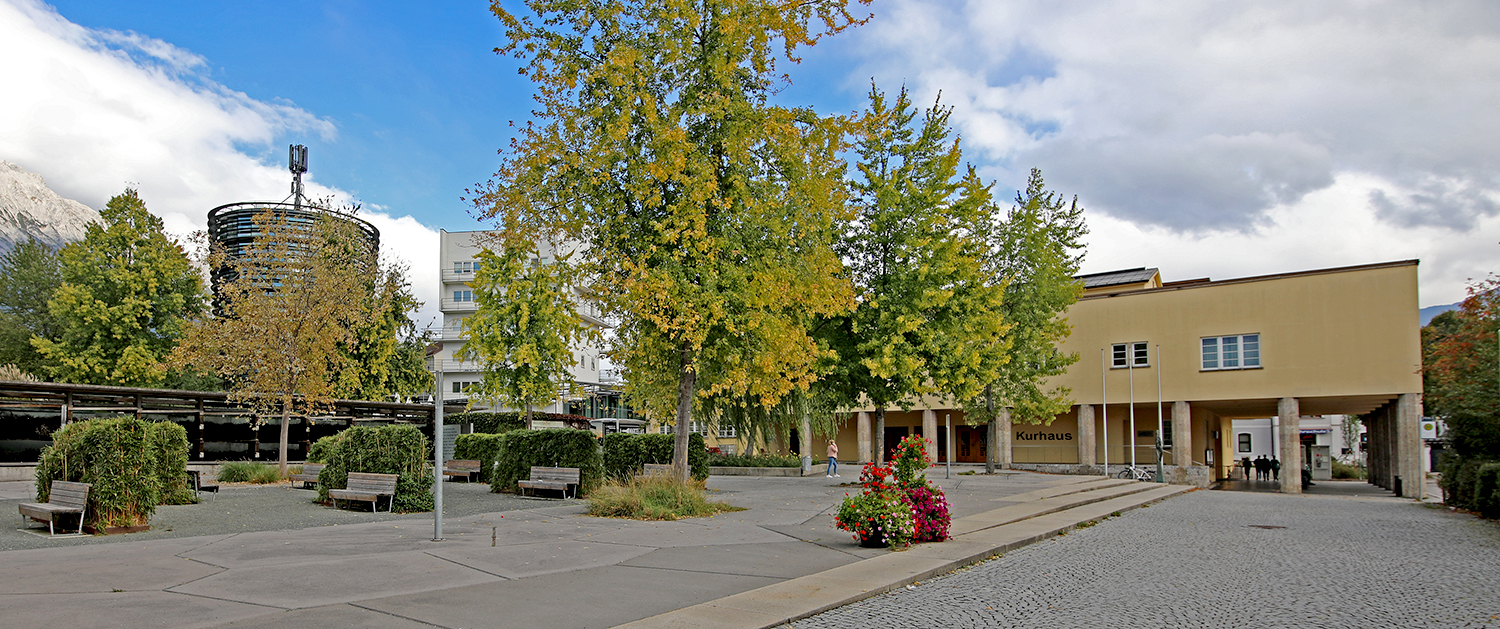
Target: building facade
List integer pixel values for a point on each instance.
(1184, 360)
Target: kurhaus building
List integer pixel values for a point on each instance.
(1322, 342)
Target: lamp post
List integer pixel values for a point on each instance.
(437, 441)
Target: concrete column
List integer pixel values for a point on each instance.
(1409, 442)
(1086, 435)
(862, 433)
(929, 434)
(805, 443)
(1182, 434)
(1004, 434)
(1289, 417)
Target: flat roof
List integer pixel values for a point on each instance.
(1117, 278)
(1204, 283)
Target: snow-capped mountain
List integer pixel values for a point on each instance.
(28, 208)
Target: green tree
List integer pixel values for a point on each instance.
(384, 357)
(29, 275)
(1036, 252)
(703, 211)
(1461, 371)
(292, 303)
(927, 321)
(526, 326)
(127, 290)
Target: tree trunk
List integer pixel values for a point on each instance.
(687, 380)
(528, 416)
(879, 454)
(286, 425)
(992, 436)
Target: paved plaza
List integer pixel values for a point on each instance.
(1224, 559)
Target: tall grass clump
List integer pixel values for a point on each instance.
(653, 497)
(119, 457)
(399, 449)
(248, 472)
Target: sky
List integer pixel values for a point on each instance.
(1209, 139)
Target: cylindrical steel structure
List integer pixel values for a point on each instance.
(232, 228)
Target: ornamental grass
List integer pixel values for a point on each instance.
(249, 472)
(653, 497)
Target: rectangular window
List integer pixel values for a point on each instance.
(1244, 442)
(1238, 351)
(1166, 434)
(1136, 354)
(726, 432)
(463, 295)
(463, 267)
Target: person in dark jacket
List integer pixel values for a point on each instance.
(1275, 469)
(1245, 462)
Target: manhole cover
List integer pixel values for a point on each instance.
(1266, 526)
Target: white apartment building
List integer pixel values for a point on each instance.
(458, 260)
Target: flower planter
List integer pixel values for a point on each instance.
(873, 542)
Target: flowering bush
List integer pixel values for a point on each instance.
(879, 517)
(930, 517)
(911, 461)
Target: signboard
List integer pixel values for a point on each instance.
(1432, 428)
(1315, 431)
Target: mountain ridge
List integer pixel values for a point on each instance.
(29, 209)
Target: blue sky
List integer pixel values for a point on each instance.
(1216, 139)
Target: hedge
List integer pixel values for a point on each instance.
(520, 450)
(500, 422)
(399, 449)
(122, 458)
(323, 448)
(481, 447)
(1487, 490)
(170, 442)
(625, 454)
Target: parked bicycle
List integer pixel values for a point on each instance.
(1137, 473)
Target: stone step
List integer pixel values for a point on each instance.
(1045, 506)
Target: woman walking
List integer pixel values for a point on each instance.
(833, 459)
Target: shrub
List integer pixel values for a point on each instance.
(481, 447)
(1458, 480)
(169, 440)
(1346, 471)
(118, 458)
(759, 460)
(880, 517)
(399, 449)
(653, 497)
(520, 450)
(625, 454)
(1487, 490)
(249, 472)
(323, 447)
(910, 462)
(930, 516)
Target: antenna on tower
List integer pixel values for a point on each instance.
(297, 163)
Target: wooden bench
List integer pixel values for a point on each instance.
(195, 478)
(64, 498)
(366, 487)
(664, 469)
(463, 468)
(556, 478)
(308, 476)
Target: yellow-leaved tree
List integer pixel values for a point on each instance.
(703, 214)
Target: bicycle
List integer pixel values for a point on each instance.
(1137, 473)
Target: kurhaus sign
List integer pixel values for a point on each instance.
(1022, 435)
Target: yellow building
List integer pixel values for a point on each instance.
(1330, 341)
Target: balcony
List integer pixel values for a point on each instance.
(449, 275)
(449, 305)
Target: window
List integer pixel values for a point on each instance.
(1166, 434)
(463, 295)
(463, 267)
(1135, 354)
(1240, 351)
(1244, 442)
(726, 432)
(463, 387)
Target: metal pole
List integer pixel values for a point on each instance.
(1160, 477)
(948, 449)
(1130, 367)
(1104, 407)
(437, 451)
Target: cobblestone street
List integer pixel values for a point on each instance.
(1223, 559)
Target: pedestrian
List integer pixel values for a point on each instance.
(1275, 469)
(1245, 462)
(833, 459)
(1260, 467)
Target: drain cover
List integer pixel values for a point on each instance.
(1265, 526)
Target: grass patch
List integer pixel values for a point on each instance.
(249, 472)
(653, 497)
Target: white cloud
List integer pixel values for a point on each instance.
(93, 111)
(1224, 122)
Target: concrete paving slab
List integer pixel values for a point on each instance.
(697, 532)
(97, 569)
(324, 583)
(603, 597)
(783, 560)
(342, 616)
(516, 561)
(125, 609)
